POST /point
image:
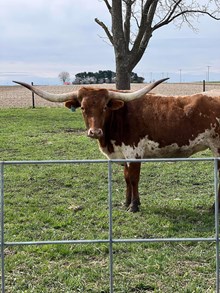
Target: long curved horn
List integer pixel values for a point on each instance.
(135, 95)
(48, 96)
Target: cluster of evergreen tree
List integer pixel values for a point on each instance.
(102, 76)
(96, 77)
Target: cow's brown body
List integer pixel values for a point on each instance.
(153, 126)
(157, 126)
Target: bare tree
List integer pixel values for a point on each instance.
(134, 22)
(64, 76)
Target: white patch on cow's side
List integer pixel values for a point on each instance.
(150, 149)
(218, 119)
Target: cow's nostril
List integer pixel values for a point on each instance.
(95, 132)
(99, 131)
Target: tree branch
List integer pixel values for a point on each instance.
(184, 11)
(108, 6)
(109, 35)
(127, 22)
(145, 30)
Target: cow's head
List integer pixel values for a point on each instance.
(96, 104)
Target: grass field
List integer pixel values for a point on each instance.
(64, 202)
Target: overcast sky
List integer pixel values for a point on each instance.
(39, 39)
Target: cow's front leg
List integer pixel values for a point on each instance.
(132, 176)
(128, 186)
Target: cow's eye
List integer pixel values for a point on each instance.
(105, 108)
(82, 108)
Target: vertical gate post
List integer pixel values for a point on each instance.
(110, 226)
(2, 226)
(216, 180)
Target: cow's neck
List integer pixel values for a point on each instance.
(113, 130)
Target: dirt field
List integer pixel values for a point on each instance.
(19, 97)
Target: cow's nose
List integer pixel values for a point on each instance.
(95, 132)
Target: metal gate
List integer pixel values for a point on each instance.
(110, 239)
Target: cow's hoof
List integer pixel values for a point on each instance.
(126, 204)
(133, 209)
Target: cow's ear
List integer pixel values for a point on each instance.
(115, 104)
(72, 104)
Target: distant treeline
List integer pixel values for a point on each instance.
(106, 76)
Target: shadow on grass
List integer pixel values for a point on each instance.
(180, 221)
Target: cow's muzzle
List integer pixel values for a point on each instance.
(95, 132)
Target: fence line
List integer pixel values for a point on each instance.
(110, 239)
(196, 83)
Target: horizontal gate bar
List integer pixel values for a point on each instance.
(84, 241)
(107, 161)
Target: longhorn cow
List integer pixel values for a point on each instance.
(145, 125)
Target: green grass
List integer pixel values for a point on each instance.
(64, 202)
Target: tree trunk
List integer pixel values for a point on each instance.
(123, 76)
(120, 47)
